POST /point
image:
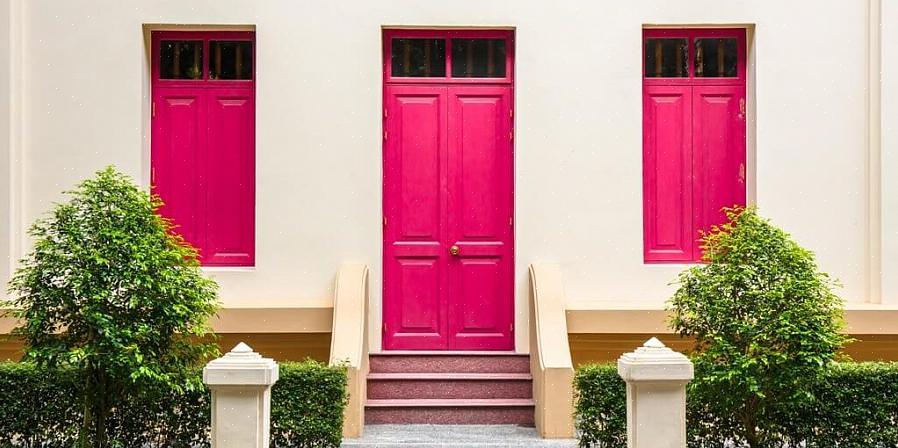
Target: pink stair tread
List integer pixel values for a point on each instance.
(469, 402)
(447, 376)
(448, 353)
(427, 362)
(443, 385)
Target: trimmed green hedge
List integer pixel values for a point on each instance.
(307, 405)
(601, 408)
(41, 409)
(855, 406)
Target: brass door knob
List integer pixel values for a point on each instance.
(453, 250)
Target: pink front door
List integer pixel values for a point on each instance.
(448, 251)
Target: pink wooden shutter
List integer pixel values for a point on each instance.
(667, 174)
(719, 159)
(178, 158)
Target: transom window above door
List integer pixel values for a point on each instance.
(448, 56)
(672, 56)
(197, 57)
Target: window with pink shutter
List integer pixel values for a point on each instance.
(203, 140)
(693, 137)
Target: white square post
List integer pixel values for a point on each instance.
(656, 379)
(241, 383)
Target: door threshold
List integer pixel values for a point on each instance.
(448, 353)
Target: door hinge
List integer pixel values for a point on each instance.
(154, 110)
(386, 114)
(153, 175)
(742, 109)
(385, 221)
(510, 113)
(385, 327)
(385, 135)
(511, 327)
(511, 135)
(511, 221)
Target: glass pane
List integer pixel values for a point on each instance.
(716, 58)
(478, 58)
(181, 59)
(666, 58)
(230, 59)
(419, 57)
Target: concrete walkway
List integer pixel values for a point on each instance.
(462, 436)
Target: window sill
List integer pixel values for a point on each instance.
(228, 268)
(672, 264)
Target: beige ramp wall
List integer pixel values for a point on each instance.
(550, 358)
(349, 341)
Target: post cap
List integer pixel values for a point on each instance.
(241, 367)
(654, 361)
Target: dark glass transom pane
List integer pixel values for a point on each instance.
(230, 59)
(478, 58)
(181, 59)
(666, 58)
(418, 58)
(716, 58)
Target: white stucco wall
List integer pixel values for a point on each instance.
(578, 136)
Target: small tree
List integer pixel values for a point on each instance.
(110, 290)
(765, 321)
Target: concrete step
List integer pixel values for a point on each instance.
(449, 362)
(491, 411)
(449, 385)
(461, 436)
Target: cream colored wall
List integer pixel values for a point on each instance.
(578, 130)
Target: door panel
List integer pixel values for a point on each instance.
(481, 301)
(231, 199)
(178, 155)
(414, 204)
(719, 159)
(667, 176)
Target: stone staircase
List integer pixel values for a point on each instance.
(449, 388)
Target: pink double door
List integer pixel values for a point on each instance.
(448, 227)
(203, 140)
(694, 121)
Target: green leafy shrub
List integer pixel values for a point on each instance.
(855, 405)
(112, 293)
(765, 321)
(40, 408)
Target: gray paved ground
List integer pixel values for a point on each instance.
(462, 436)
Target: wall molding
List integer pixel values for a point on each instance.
(16, 157)
(873, 260)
